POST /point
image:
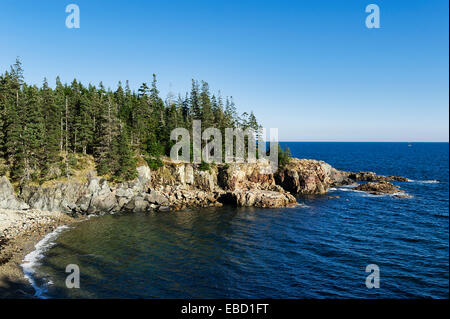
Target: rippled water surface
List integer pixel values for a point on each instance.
(319, 249)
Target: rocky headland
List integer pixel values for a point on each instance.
(27, 212)
(178, 185)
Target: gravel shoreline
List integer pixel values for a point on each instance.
(19, 233)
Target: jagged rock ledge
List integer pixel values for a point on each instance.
(178, 185)
(382, 188)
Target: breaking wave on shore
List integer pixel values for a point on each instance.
(32, 260)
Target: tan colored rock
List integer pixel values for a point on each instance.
(373, 177)
(304, 176)
(236, 176)
(379, 188)
(260, 198)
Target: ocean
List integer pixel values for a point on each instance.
(319, 249)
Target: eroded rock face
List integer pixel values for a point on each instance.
(304, 176)
(246, 176)
(259, 198)
(8, 199)
(179, 185)
(60, 196)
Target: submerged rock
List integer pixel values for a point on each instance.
(379, 188)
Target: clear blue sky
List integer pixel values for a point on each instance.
(310, 68)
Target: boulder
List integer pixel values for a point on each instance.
(258, 198)
(144, 175)
(83, 203)
(124, 192)
(156, 197)
(8, 199)
(137, 205)
(103, 198)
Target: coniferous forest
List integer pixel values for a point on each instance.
(44, 129)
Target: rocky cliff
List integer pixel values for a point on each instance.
(180, 185)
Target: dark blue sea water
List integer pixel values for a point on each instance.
(317, 250)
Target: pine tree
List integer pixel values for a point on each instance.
(33, 132)
(141, 115)
(206, 107)
(40, 125)
(126, 168)
(6, 102)
(51, 113)
(157, 115)
(106, 132)
(253, 124)
(194, 101)
(230, 113)
(185, 111)
(59, 100)
(14, 142)
(143, 90)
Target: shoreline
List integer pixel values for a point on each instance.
(173, 186)
(26, 229)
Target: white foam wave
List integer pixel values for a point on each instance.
(33, 259)
(366, 194)
(427, 181)
(349, 189)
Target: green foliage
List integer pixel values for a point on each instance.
(154, 147)
(3, 167)
(72, 160)
(154, 163)
(126, 162)
(204, 166)
(44, 131)
(284, 156)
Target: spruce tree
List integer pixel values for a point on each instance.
(194, 101)
(105, 135)
(126, 168)
(39, 125)
(206, 107)
(33, 132)
(85, 123)
(52, 116)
